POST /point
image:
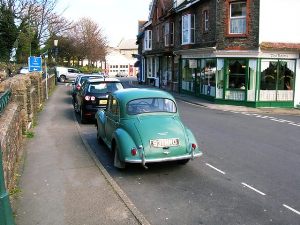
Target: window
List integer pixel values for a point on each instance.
(205, 20)
(237, 74)
(169, 34)
(188, 29)
(277, 74)
(151, 105)
(157, 34)
(237, 23)
(113, 106)
(148, 40)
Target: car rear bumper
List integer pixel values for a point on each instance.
(167, 159)
(90, 111)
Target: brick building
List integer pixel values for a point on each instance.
(228, 51)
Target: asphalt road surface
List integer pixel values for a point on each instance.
(249, 173)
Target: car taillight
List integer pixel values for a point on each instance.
(133, 151)
(194, 146)
(87, 98)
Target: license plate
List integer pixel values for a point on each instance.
(102, 102)
(161, 143)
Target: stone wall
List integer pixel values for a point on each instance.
(28, 95)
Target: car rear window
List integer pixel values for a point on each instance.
(89, 77)
(150, 105)
(102, 88)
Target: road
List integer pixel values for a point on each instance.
(249, 173)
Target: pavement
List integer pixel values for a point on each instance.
(63, 183)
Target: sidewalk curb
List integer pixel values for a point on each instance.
(116, 188)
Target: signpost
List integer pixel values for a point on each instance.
(35, 64)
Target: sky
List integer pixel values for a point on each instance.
(117, 18)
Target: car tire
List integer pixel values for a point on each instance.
(62, 78)
(117, 162)
(82, 117)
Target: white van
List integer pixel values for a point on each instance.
(65, 74)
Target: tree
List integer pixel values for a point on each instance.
(37, 22)
(92, 44)
(8, 33)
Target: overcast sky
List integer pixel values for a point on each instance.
(117, 18)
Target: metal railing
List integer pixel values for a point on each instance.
(6, 216)
(4, 99)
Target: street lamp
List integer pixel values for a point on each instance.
(46, 73)
(55, 42)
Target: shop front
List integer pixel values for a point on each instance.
(250, 81)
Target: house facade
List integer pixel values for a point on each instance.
(226, 51)
(120, 60)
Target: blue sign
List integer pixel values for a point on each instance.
(35, 64)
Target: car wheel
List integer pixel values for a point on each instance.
(82, 117)
(117, 163)
(183, 161)
(62, 78)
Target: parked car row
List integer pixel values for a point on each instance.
(68, 74)
(140, 126)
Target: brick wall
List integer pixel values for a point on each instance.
(28, 94)
(237, 42)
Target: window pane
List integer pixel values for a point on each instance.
(268, 75)
(237, 74)
(238, 26)
(238, 9)
(150, 105)
(185, 22)
(286, 75)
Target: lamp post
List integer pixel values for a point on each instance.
(55, 42)
(46, 73)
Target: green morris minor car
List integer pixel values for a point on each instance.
(143, 126)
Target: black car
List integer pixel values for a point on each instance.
(78, 83)
(93, 96)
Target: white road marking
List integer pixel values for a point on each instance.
(277, 120)
(254, 189)
(220, 171)
(264, 117)
(290, 208)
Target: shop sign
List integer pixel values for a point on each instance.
(279, 55)
(193, 63)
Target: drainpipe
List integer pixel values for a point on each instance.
(6, 216)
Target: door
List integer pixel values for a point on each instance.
(112, 118)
